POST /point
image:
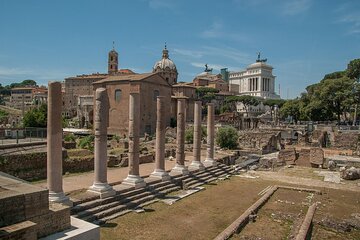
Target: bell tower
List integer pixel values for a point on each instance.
(113, 63)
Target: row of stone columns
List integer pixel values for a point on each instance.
(101, 121)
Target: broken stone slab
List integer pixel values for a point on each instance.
(350, 174)
(172, 199)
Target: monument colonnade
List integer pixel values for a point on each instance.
(101, 121)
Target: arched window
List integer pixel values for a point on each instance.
(156, 94)
(117, 95)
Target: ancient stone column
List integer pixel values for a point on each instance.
(180, 139)
(54, 145)
(210, 149)
(133, 177)
(159, 171)
(196, 163)
(276, 115)
(101, 122)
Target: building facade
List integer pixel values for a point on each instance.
(149, 86)
(256, 80)
(24, 98)
(81, 85)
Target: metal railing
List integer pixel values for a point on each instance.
(22, 135)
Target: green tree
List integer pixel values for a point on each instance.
(246, 100)
(36, 117)
(227, 137)
(189, 134)
(291, 108)
(353, 69)
(3, 116)
(28, 82)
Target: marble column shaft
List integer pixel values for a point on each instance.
(197, 132)
(133, 177)
(210, 148)
(101, 122)
(180, 139)
(180, 133)
(196, 163)
(159, 171)
(134, 129)
(54, 144)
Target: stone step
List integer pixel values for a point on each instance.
(116, 209)
(98, 202)
(103, 207)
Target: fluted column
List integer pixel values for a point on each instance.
(133, 177)
(180, 139)
(210, 141)
(196, 163)
(159, 171)
(101, 122)
(54, 145)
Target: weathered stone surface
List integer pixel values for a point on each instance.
(287, 155)
(316, 156)
(304, 158)
(350, 174)
(265, 141)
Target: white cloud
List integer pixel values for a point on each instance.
(9, 75)
(188, 53)
(353, 20)
(214, 66)
(228, 52)
(294, 7)
(216, 30)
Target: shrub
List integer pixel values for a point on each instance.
(87, 142)
(69, 137)
(227, 137)
(189, 134)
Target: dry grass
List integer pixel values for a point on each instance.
(207, 213)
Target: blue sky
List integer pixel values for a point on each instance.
(302, 39)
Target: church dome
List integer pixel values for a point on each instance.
(165, 62)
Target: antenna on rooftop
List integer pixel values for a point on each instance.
(165, 45)
(113, 45)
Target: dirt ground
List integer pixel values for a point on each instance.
(205, 214)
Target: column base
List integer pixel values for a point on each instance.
(134, 181)
(196, 165)
(160, 174)
(180, 169)
(60, 198)
(210, 162)
(102, 189)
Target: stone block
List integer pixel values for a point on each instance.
(316, 156)
(304, 158)
(287, 155)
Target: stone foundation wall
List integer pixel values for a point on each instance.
(346, 140)
(32, 166)
(265, 141)
(25, 230)
(56, 219)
